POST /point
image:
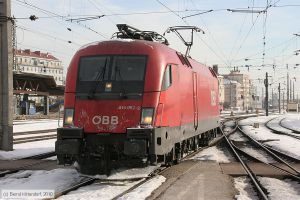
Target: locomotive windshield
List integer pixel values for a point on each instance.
(125, 74)
(93, 68)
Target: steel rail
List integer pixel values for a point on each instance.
(149, 177)
(294, 176)
(85, 182)
(280, 132)
(41, 156)
(35, 132)
(295, 131)
(259, 188)
(6, 172)
(283, 154)
(33, 139)
(276, 157)
(38, 157)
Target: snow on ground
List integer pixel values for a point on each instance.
(124, 173)
(31, 148)
(258, 154)
(143, 191)
(259, 119)
(278, 189)
(212, 153)
(132, 173)
(28, 149)
(56, 179)
(280, 142)
(105, 189)
(34, 125)
(245, 189)
(99, 190)
(274, 124)
(281, 189)
(237, 137)
(230, 123)
(292, 121)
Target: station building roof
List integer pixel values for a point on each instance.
(36, 84)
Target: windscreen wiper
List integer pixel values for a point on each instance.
(123, 93)
(99, 77)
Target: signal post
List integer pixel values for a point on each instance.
(6, 76)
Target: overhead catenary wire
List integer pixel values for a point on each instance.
(47, 35)
(172, 11)
(212, 36)
(47, 12)
(158, 1)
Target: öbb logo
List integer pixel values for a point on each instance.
(105, 120)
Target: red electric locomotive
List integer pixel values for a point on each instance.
(135, 99)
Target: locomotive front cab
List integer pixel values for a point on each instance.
(106, 108)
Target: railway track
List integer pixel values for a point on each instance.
(282, 158)
(38, 157)
(293, 130)
(142, 180)
(281, 132)
(34, 136)
(261, 191)
(242, 156)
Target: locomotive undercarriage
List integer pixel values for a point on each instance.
(98, 154)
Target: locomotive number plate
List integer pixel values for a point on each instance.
(105, 120)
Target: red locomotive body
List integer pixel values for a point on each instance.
(138, 99)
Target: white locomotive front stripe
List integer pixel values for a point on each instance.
(105, 120)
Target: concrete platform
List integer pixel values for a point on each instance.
(195, 180)
(261, 169)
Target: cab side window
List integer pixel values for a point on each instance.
(167, 79)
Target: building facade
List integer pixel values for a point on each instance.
(244, 81)
(39, 63)
(221, 92)
(232, 94)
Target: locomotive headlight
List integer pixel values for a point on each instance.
(68, 119)
(147, 116)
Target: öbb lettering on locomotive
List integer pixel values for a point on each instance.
(135, 100)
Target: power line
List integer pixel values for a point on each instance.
(196, 32)
(245, 38)
(211, 35)
(42, 49)
(59, 16)
(237, 38)
(271, 48)
(47, 35)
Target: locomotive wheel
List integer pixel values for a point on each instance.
(177, 153)
(170, 158)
